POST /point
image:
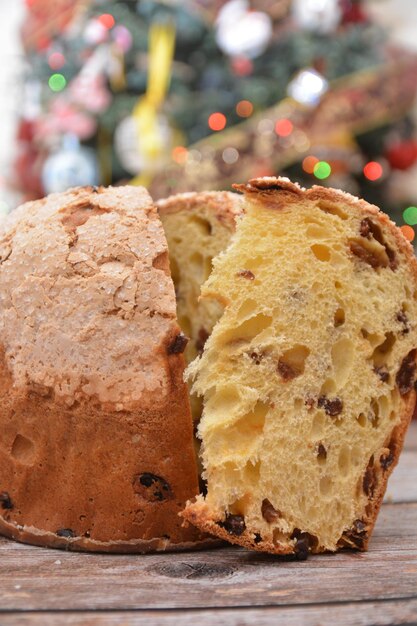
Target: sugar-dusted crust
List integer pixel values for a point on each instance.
(277, 194)
(226, 206)
(96, 444)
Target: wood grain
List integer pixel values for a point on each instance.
(411, 437)
(41, 579)
(402, 485)
(351, 614)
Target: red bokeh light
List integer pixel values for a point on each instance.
(56, 60)
(179, 154)
(107, 20)
(242, 66)
(309, 164)
(244, 108)
(284, 127)
(373, 170)
(408, 232)
(217, 121)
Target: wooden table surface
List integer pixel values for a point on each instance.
(226, 585)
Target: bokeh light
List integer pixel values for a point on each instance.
(373, 170)
(408, 232)
(106, 20)
(242, 66)
(57, 82)
(244, 108)
(308, 87)
(309, 163)
(217, 121)
(284, 127)
(194, 155)
(230, 155)
(322, 170)
(56, 60)
(301, 141)
(123, 37)
(410, 215)
(265, 127)
(179, 154)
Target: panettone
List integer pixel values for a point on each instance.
(198, 226)
(308, 377)
(96, 436)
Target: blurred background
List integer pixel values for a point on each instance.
(200, 94)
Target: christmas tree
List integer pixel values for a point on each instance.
(200, 94)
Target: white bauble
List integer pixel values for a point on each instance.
(70, 167)
(320, 16)
(127, 145)
(307, 87)
(240, 32)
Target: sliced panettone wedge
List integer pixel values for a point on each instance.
(308, 377)
(198, 226)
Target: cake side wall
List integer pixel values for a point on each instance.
(96, 434)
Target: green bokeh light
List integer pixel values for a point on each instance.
(57, 82)
(322, 170)
(410, 215)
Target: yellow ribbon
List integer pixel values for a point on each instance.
(145, 113)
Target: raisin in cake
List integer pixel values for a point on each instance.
(308, 377)
(96, 440)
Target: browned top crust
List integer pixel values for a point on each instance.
(226, 206)
(274, 192)
(270, 183)
(85, 285)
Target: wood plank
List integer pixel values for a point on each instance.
(351, 614)
(410, 442)
(41, 579)
(402, 485)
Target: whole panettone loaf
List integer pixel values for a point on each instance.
(96, 442)
(308, 377)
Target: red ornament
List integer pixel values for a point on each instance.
(26, 130)
(352, 12)
(27, 172)
(403, 154)
(43, 43)
(242, 66)
(45, 19)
